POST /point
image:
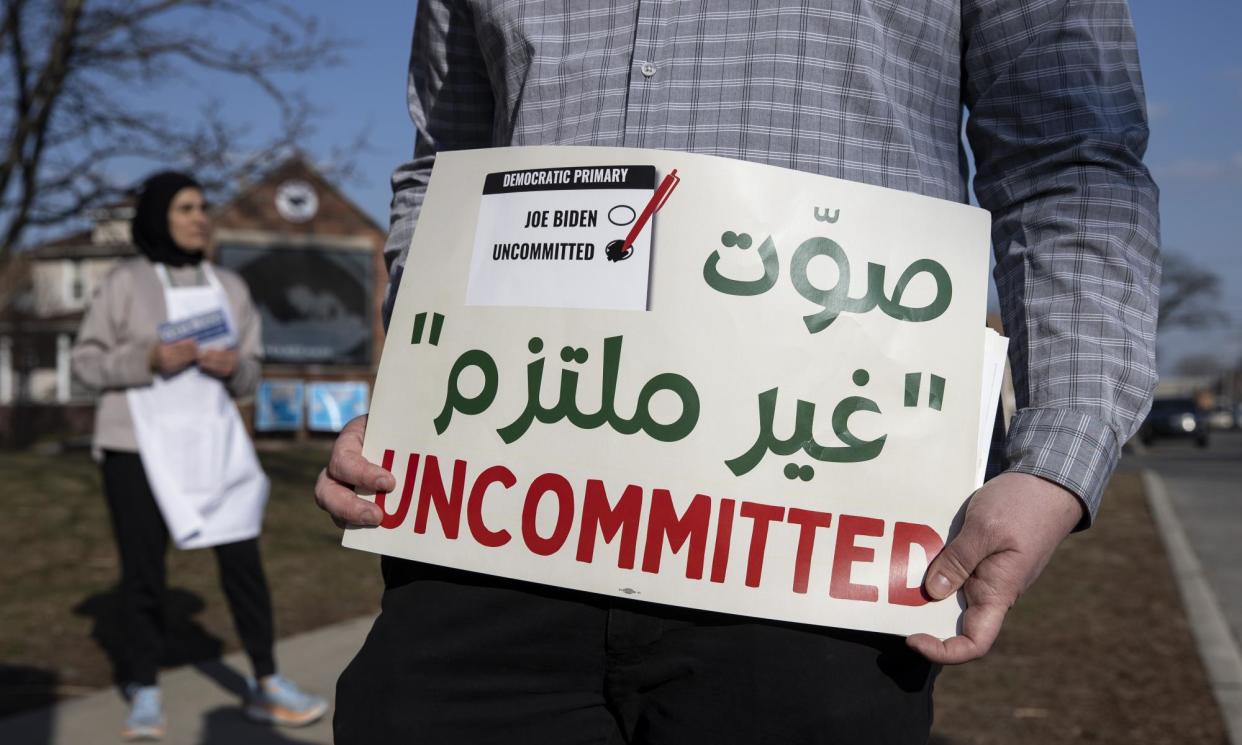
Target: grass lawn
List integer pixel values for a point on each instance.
(1098, 651)
(57, 618)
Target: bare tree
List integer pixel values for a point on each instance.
(80, 84)
(1189, 295)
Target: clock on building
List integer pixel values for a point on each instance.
(296, 201)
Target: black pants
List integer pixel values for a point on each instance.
(142, 541)
(457, 657)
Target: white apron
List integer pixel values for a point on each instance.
(199, 461)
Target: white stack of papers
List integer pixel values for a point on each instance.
(995, 348)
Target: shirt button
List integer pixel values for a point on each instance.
(648, 69)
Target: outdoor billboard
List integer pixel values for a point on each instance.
(315, 302)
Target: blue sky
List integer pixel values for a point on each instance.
(1192, 65)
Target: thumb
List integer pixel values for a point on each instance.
(954, 565)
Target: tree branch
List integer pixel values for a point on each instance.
(36, 116)
(66, 71)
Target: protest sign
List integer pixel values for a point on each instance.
(278, 405)
(333, 404)
(786, 427)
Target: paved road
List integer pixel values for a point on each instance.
(1205, 486)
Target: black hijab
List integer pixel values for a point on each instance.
(150, 223)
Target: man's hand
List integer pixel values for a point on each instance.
(173, 358)
(220, 363)
(347, 470)
(1012, 526)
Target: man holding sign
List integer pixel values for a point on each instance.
(869, 94)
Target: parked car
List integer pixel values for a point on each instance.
(1175, 418)
(1222, 418)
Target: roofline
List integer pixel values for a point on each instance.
(299, 156)
(48, 252)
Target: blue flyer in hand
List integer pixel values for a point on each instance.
(207, 329)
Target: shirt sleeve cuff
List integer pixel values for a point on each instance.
(1074, 450)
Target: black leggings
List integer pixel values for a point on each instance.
(142, 542)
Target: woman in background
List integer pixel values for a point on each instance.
(168, 341)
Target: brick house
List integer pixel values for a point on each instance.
(314, 263)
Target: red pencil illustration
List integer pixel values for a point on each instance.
(618, 250)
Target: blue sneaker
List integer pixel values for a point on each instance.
(146, 715)
(277, 700)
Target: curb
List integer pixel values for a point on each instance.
(1217, 647)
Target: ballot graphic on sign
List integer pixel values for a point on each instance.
(687, 380)
(566, 237)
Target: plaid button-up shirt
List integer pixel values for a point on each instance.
(871, 91)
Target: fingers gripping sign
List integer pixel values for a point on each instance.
(1012, 526)
(348, 472)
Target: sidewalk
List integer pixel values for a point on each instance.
(202, 702)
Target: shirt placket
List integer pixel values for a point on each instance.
(646, 107)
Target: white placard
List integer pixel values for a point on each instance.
(788, 432)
